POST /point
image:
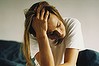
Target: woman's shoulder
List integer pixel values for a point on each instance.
(70, 20)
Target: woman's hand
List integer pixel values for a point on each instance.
(40, 22)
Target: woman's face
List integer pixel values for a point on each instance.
(56, 28)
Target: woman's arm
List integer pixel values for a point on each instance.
(40, 26)
(70, 58)
(46, 57)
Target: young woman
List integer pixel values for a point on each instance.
(57, 38)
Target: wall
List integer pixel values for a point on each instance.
(86, 11)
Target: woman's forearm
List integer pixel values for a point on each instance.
(46, 56)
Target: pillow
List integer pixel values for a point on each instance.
(11, 53)
(88, 58)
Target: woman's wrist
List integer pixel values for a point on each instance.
(41, 34)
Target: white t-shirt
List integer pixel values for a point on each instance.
(73, 39)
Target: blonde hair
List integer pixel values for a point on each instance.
(28, 26)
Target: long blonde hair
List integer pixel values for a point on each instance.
(28, 27)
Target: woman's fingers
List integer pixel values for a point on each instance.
(46, 15)
(42, 14)
(38, 12)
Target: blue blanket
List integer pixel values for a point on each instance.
(88, 58)
(11, 55)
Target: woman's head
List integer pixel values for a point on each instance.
(56, 28)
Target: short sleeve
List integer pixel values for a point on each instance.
(74, 38)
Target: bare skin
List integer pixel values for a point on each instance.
(41, 25)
